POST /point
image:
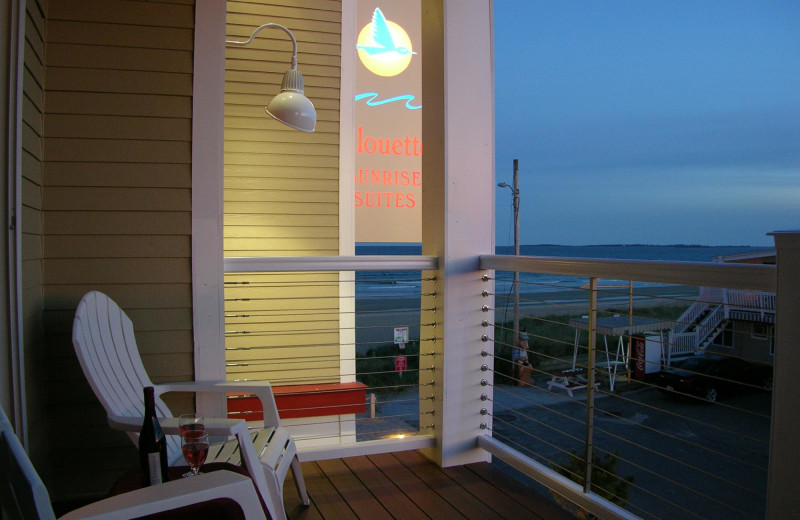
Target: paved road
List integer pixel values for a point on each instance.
(689, 459)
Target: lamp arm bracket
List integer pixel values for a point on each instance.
(270, 26)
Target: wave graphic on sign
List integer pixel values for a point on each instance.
(371, 102)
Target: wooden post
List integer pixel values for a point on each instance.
(590, 377)
(208, 115)
(458, 216)
(783, 500)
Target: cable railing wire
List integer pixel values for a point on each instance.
(289, 346)
(315, 312)
(300, 298)
(283, 332)
(301, 329)
(679, 462)
(648, 416)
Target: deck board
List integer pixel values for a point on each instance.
(415, 488)
(358, 497)
(537, 506)
(495, 499)
(452, 491)
(325, 498)
(384, 490)
(407, 486)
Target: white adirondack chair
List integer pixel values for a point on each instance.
(23, 495)
(104, 341)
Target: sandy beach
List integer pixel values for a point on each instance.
(376, 318)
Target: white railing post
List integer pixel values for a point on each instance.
(458, 217)
(783, 500)
(671, 338)
(726, 303)
(591, 365)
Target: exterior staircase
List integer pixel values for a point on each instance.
(697, 328)
(706, 318)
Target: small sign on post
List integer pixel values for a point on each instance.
(400, 364)
(401, 337)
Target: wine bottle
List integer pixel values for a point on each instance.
(152, 444)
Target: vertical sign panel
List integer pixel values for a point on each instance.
(388, 176)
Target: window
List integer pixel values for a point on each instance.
(760, 331)
(725, 338)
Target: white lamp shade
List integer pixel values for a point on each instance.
(293, 109)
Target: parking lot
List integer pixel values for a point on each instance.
(688, 458)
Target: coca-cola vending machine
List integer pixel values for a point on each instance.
(645, 355)
(639, 357)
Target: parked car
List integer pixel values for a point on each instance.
(710, 377)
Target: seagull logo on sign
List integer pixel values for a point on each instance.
(384, 47)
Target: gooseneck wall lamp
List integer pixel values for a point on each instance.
(291, 107)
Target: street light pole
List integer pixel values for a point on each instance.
(515, 205)
(516, 251)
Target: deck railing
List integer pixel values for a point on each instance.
(579, 422)
(604, 296)
(323, 331)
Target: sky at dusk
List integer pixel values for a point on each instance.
(645, 121)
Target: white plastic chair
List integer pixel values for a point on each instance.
(106, 347)
(23, 496)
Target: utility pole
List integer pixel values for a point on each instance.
(515, 205)
(516, 251)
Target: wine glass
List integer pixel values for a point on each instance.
(190, 422)
(194, 445)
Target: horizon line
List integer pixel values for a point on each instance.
(417, 244)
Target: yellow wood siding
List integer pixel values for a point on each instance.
(107, 197)
(116, 201)
(282, 194)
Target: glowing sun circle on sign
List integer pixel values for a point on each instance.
(389, 62)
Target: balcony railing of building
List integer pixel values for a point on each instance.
(750, 305)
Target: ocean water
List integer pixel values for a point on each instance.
(383, 283)
(674, 253)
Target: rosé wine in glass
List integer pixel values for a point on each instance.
(190, 422)
(194, 445)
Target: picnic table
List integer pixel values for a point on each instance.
(570, 380)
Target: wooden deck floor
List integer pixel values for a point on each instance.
(407, 486)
